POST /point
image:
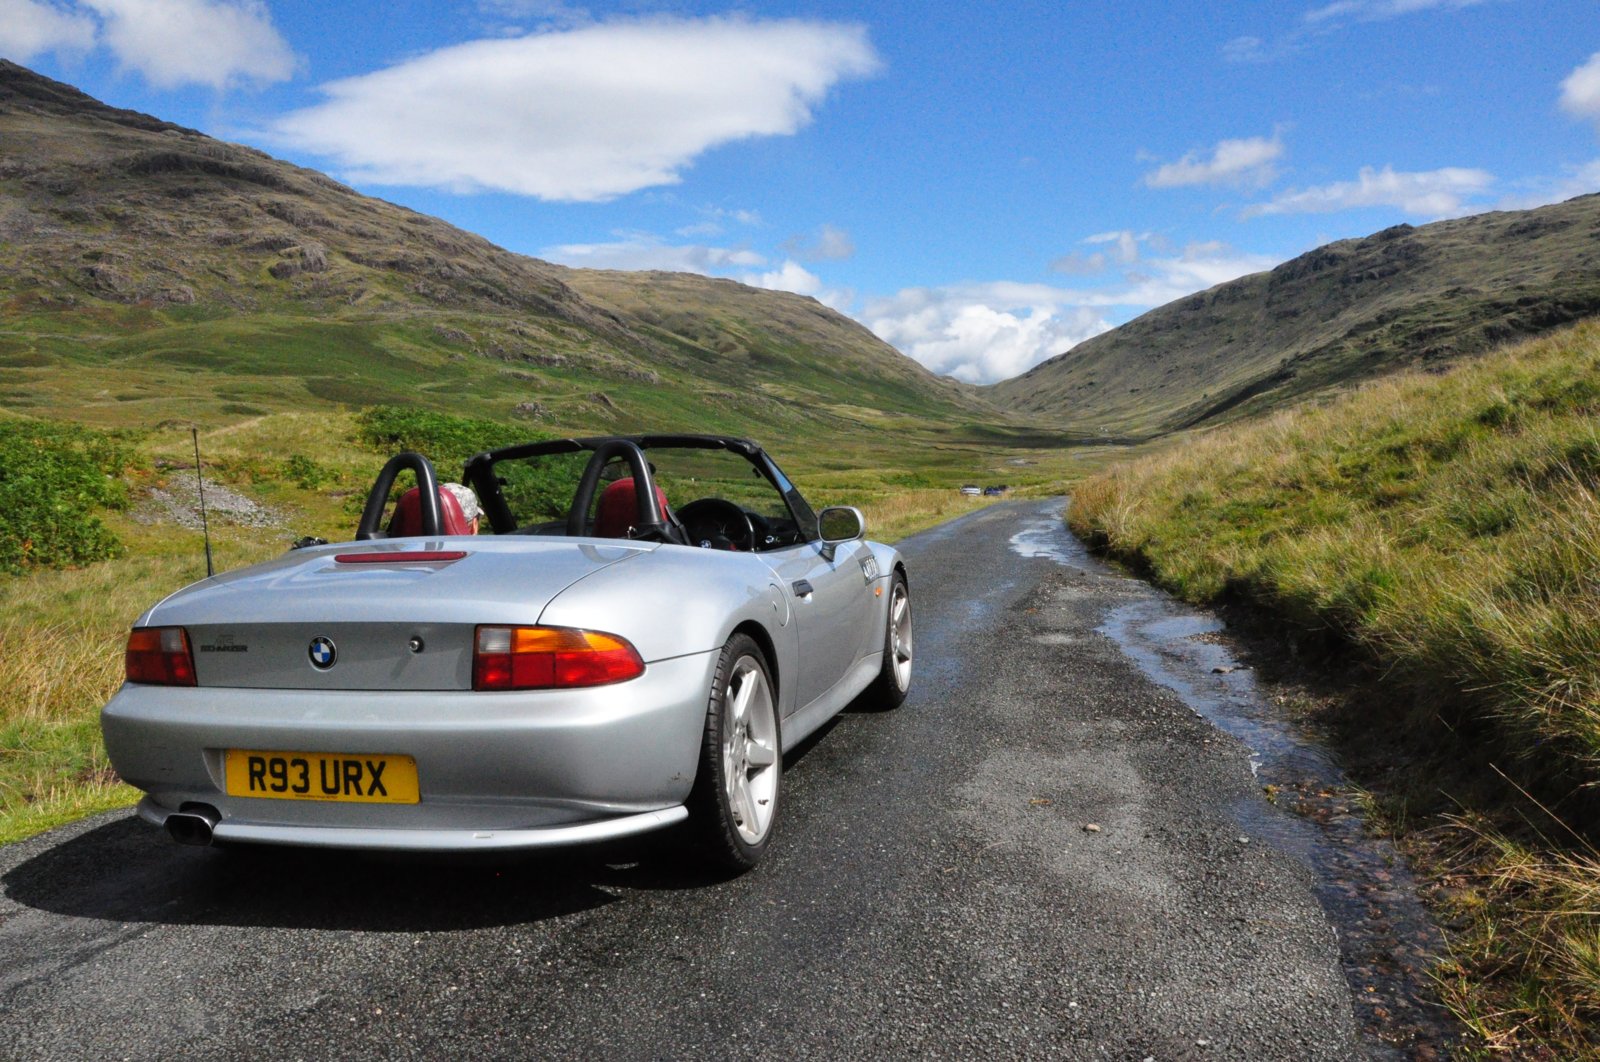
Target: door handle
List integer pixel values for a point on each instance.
(803, 588)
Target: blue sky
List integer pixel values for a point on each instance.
(983, 185)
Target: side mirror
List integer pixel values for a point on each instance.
(840, 524)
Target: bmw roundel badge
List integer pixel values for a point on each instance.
(322, 653)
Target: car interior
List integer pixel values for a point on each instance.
(612, 487)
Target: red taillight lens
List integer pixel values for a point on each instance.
(540, 658)
(160, 656)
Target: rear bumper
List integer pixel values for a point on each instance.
(494, 770)
(431, 840)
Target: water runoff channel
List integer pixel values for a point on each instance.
(1387, 941)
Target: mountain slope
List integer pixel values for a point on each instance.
(149, 271)
(1343, 312)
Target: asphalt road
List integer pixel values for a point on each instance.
(935, 890)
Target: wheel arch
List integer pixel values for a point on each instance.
(769, 649)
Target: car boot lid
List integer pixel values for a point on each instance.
(444, 580)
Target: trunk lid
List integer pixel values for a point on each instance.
(330, 618)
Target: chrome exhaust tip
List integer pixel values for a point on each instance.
(193, 824)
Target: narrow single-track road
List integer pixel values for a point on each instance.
(1038, 855)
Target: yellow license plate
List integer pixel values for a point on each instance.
(354, 777)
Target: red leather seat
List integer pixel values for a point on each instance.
(407, 519)
(618, 510)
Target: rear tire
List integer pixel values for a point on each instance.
(733, 806)
(893, 683)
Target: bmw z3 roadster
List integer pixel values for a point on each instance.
(642, 628)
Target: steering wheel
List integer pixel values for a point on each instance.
(709, 519)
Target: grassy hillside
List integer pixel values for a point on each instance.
(1447, 528)
(149, 272)
(1342, 313)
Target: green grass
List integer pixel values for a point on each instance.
(1445, 528)
(55, 479)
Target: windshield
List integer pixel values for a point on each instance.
(714, 491)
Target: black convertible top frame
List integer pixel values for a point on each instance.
(479, 470)
(643, 442)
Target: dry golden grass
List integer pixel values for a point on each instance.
(61, 639)
(1448, 528)
(1525, 972)
(894, 516)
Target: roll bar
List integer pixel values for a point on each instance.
(427, 486)
(648, 509)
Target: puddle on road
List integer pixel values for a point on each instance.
(1386, 939)
(1046, 538)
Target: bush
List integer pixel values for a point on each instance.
(53, 479)
(305, 473)
(444, 438)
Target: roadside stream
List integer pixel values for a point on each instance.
(1307, 808)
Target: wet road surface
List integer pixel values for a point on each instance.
(1039, 854)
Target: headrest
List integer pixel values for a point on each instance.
(618, 509)
(407, 519)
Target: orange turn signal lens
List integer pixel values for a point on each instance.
(159, 656)
(539, 658)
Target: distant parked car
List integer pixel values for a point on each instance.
(971, 490)
(993, 492)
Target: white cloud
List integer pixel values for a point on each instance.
(579, 115)
(1577, 180)
(1240, 163)
(1379, 10)
(980, 333)
(1197, 267)
(195, 42)
(643, 251)
(1122, 249)
(714, 218)
(542, 11)
(1432, 193)
(832, 244)
(29, 28)
(792, 276)
(983, 332)
(1328, 19)
(1124, 244)
(1580, 92)
(646, 251)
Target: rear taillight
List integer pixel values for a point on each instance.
(160, 656)
(539, 658)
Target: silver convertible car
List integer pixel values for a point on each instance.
(643, 628)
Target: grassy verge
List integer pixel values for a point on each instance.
(63, 629)
(1444, 529)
